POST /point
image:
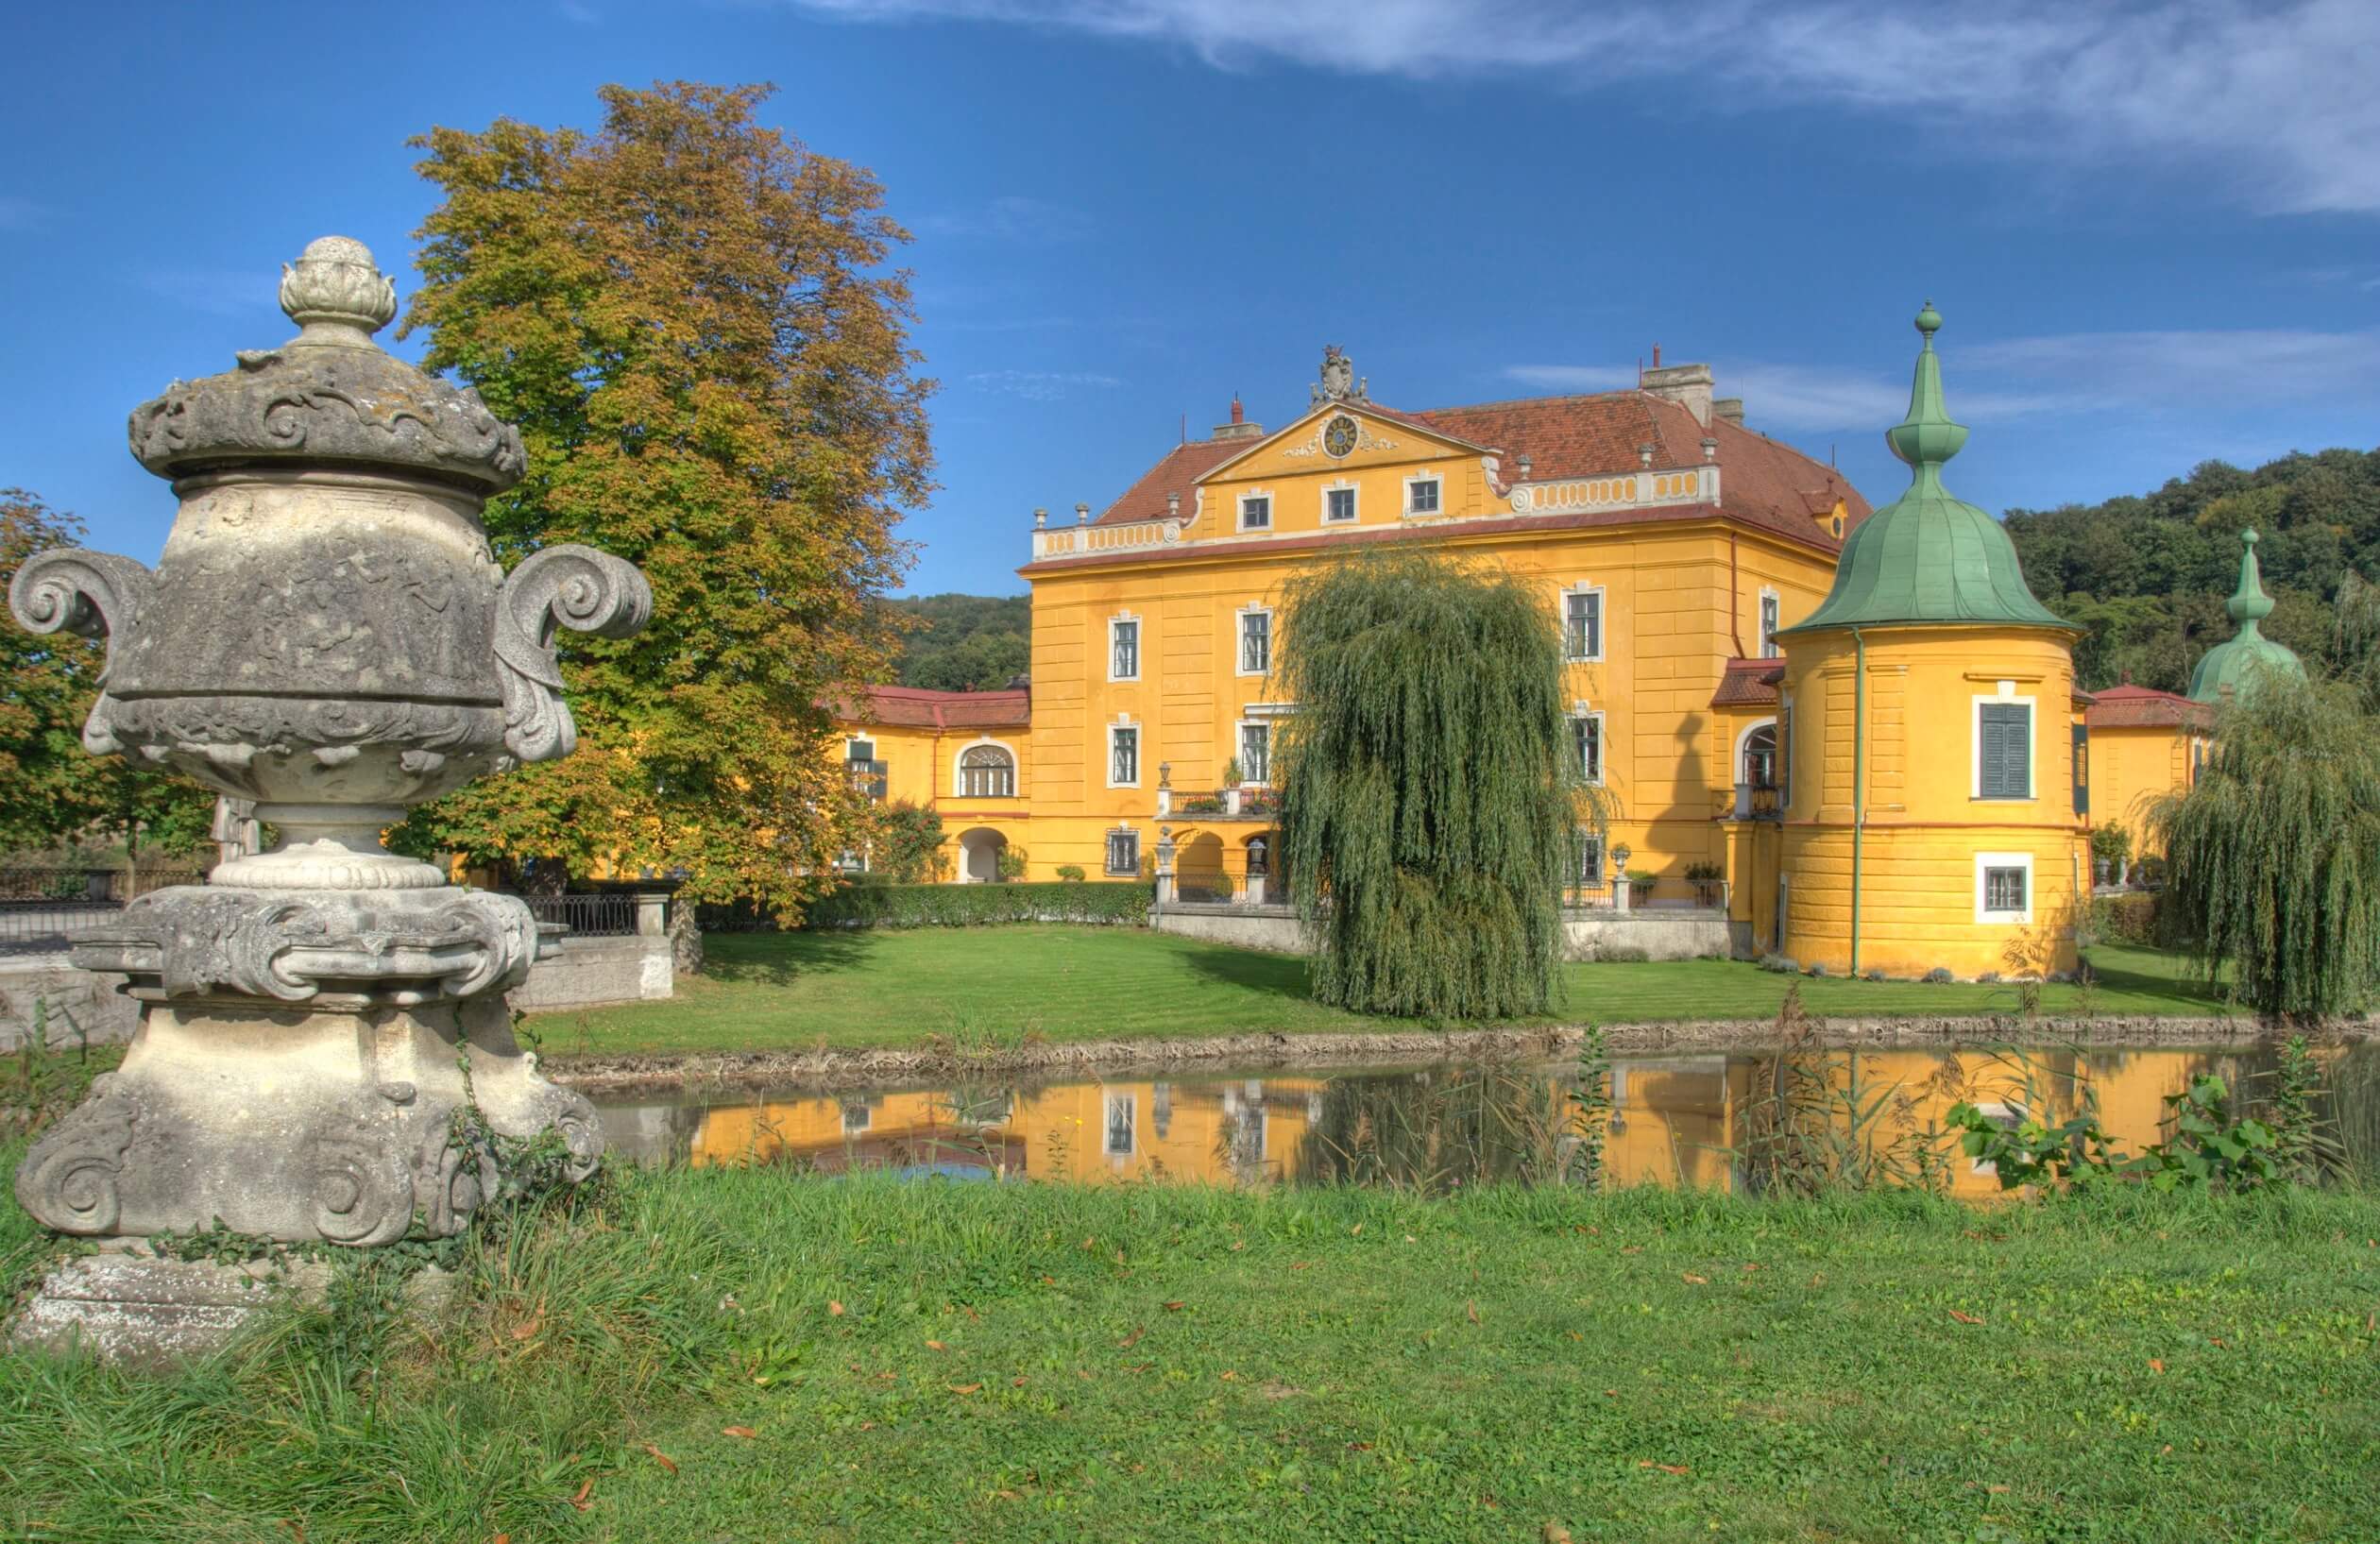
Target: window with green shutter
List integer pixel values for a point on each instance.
(2005, 753)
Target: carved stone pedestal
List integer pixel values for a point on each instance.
(128, 1306)
(311, 1066)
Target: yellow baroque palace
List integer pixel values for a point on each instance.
(1859, 734)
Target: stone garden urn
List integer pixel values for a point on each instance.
(324, 1052)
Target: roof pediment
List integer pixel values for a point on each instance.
(1306, 443)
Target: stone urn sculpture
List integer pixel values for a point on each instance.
(324, 1051)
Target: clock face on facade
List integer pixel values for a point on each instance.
(1338, 435)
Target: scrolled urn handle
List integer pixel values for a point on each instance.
(571, 586)
(95, 595)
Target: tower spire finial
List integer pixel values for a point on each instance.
(2249, 604)
(1927, 438)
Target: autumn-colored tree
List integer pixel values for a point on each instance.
(689, 316)
(53, 792)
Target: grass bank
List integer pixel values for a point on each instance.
(748, 1354)
(858, 990)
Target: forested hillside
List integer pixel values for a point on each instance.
(2149, 575)
(965, 642)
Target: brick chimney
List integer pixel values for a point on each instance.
(1729, 408)
(1239, 428)
(1688, 386)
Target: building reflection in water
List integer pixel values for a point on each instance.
(1674, 1119)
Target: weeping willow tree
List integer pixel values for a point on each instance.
(1430, 800)
(2274, 858)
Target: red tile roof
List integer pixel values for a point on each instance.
(1749, 683)
(917, 707)
(1761, 481)
(2130, 707)
(1177, 471)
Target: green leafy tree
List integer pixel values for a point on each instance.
(964, 642)
(53, 792)
(690, 316)
(2146, 574)
(907, 847)
(2272, 859)
(1429, 806)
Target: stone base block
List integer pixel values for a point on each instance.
(128, 1308)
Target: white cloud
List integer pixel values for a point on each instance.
(2147, 373)
(1040, 385)
(2271, 98)
(1011, 218)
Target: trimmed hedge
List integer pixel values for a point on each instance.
(2126, 919)
(1122, 902)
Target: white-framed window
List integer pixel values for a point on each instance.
(1756, 756)
(987, 771)
(2004, 887)
(868, 774)
(1124, 647)
(1339, 505)
(1123, 1114)
(1423, 494)
(1123, 852)
(2004, 745)
(1772, 612)
(1583, 622)
(1587, 743)
(1124, 749)
(1255, 640)
(1255, 751)
(1255, 510)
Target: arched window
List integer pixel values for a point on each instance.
(1760, 757)
(987, 772)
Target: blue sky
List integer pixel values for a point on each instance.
(2154, 230)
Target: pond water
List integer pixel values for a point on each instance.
(1706, 1120)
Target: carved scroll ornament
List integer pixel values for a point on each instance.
(93, 595)
(571, 586)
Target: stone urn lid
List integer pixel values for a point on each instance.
(328, 395)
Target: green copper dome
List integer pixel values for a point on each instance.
(2228, 666)
(1925, 556)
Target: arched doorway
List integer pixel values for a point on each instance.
(1198, 870)
(979, 851)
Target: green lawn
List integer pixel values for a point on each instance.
(752, 1355)
(990, 985)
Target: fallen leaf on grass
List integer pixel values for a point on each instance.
(1995, 1490)
(1300, 1264)
(1964, 1317)
(1237, 1245)
(1555, 1533)
(966, 1388)
(1359, 1446)
(2215, 1340)
(936, 1346)
(834, 1308)
(587, 1488)
(1665, 1468)
(744, 1431)
(1751, 1266)
(1410, 1239)
(501, 1538)
(1357, 1229)
(1016, 1382)
(1229, 1377)
(1473, 1310)
(1631, 1249)
(1611, 1393)
(661, 1458)
(1175, 1307)
(1133, 1339)
(2156, 1364)
(1692, 1279)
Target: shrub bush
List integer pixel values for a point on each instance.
(1876, 972)
(1780, 964)
(2125, 919)
(1107, 902)
(1817, 968)
(1071, 873)
(1620, 954)
(1940, 975)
